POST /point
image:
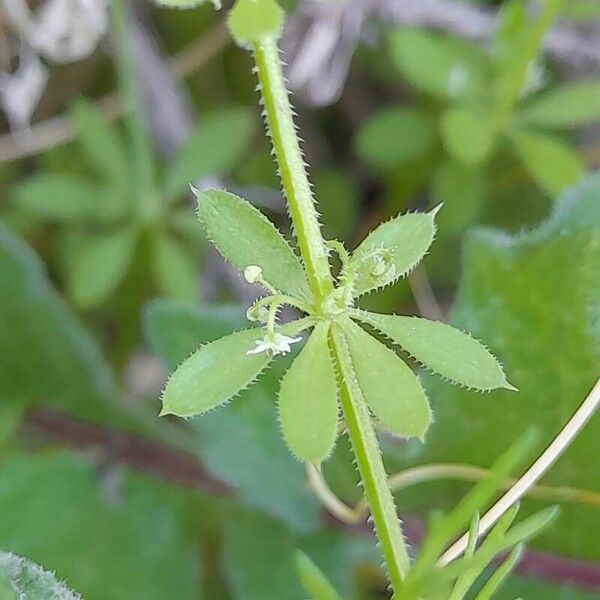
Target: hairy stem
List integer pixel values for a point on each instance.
(370, 465)
(292, 169)
(141, 148)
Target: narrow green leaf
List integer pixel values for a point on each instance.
(462, 190)
(395, 135)
(392, 250)
(174, 269)
(308, 406)
(313, 579)
(59, 198)
(214, 374)
(439, 65)
(244, 236)
(468, 136)
(565, 106)
(252, 21)
(397, 398)
(21, 579)
(213, 148)
(501, 573)
(101, 143)
(552, 164)
(447, 351)
(100, 265)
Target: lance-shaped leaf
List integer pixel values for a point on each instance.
(313, 579)
(444, 349)
(244, 236)
(100, 265)
(392, 250)
(392, 391)
(174, 268)
(214, 374)
(308, 407)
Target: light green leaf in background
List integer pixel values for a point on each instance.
(308, 406)
(395, 135)
(99, 266)
(253, 21)
(133, 541)
(444, 349)
(244, 236)
(313, 579)
(568, 105)
(215, 373)
(392, 250)
(59, 198)
(468, 136)
(462, 191)
(24, 580)
(551, 163)
(390, 388)
(213, 148)
(338, 203)
(535, 298)
(46, 355)
(101, 143)
(439, 65)
(174, 269)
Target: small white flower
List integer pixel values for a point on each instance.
(274, 344)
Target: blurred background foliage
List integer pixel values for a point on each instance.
(106, 282)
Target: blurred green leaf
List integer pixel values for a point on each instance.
(185, 3)
(308, 403)
(213, 148)
(448, 351)
(174, 268)
(439, 65)
(396, 399)
(24, 580)
(392, 250)
(395, 135)
(99, 266)
(468, 136)
(244, 236)
(338, 203)
(101, 143)
(552, 164)
(568, 105)
(462, 191)
(129, 542)
(215, 373)
(59, 198)
(46, 356)
(313, 579)
(535, 298)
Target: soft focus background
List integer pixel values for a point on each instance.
(106, 281)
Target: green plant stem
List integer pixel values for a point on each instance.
(145, 191)
(370, 465)
(280, 124)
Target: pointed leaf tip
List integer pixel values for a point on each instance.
(444, 349)
(392, 250)
(214, 374)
